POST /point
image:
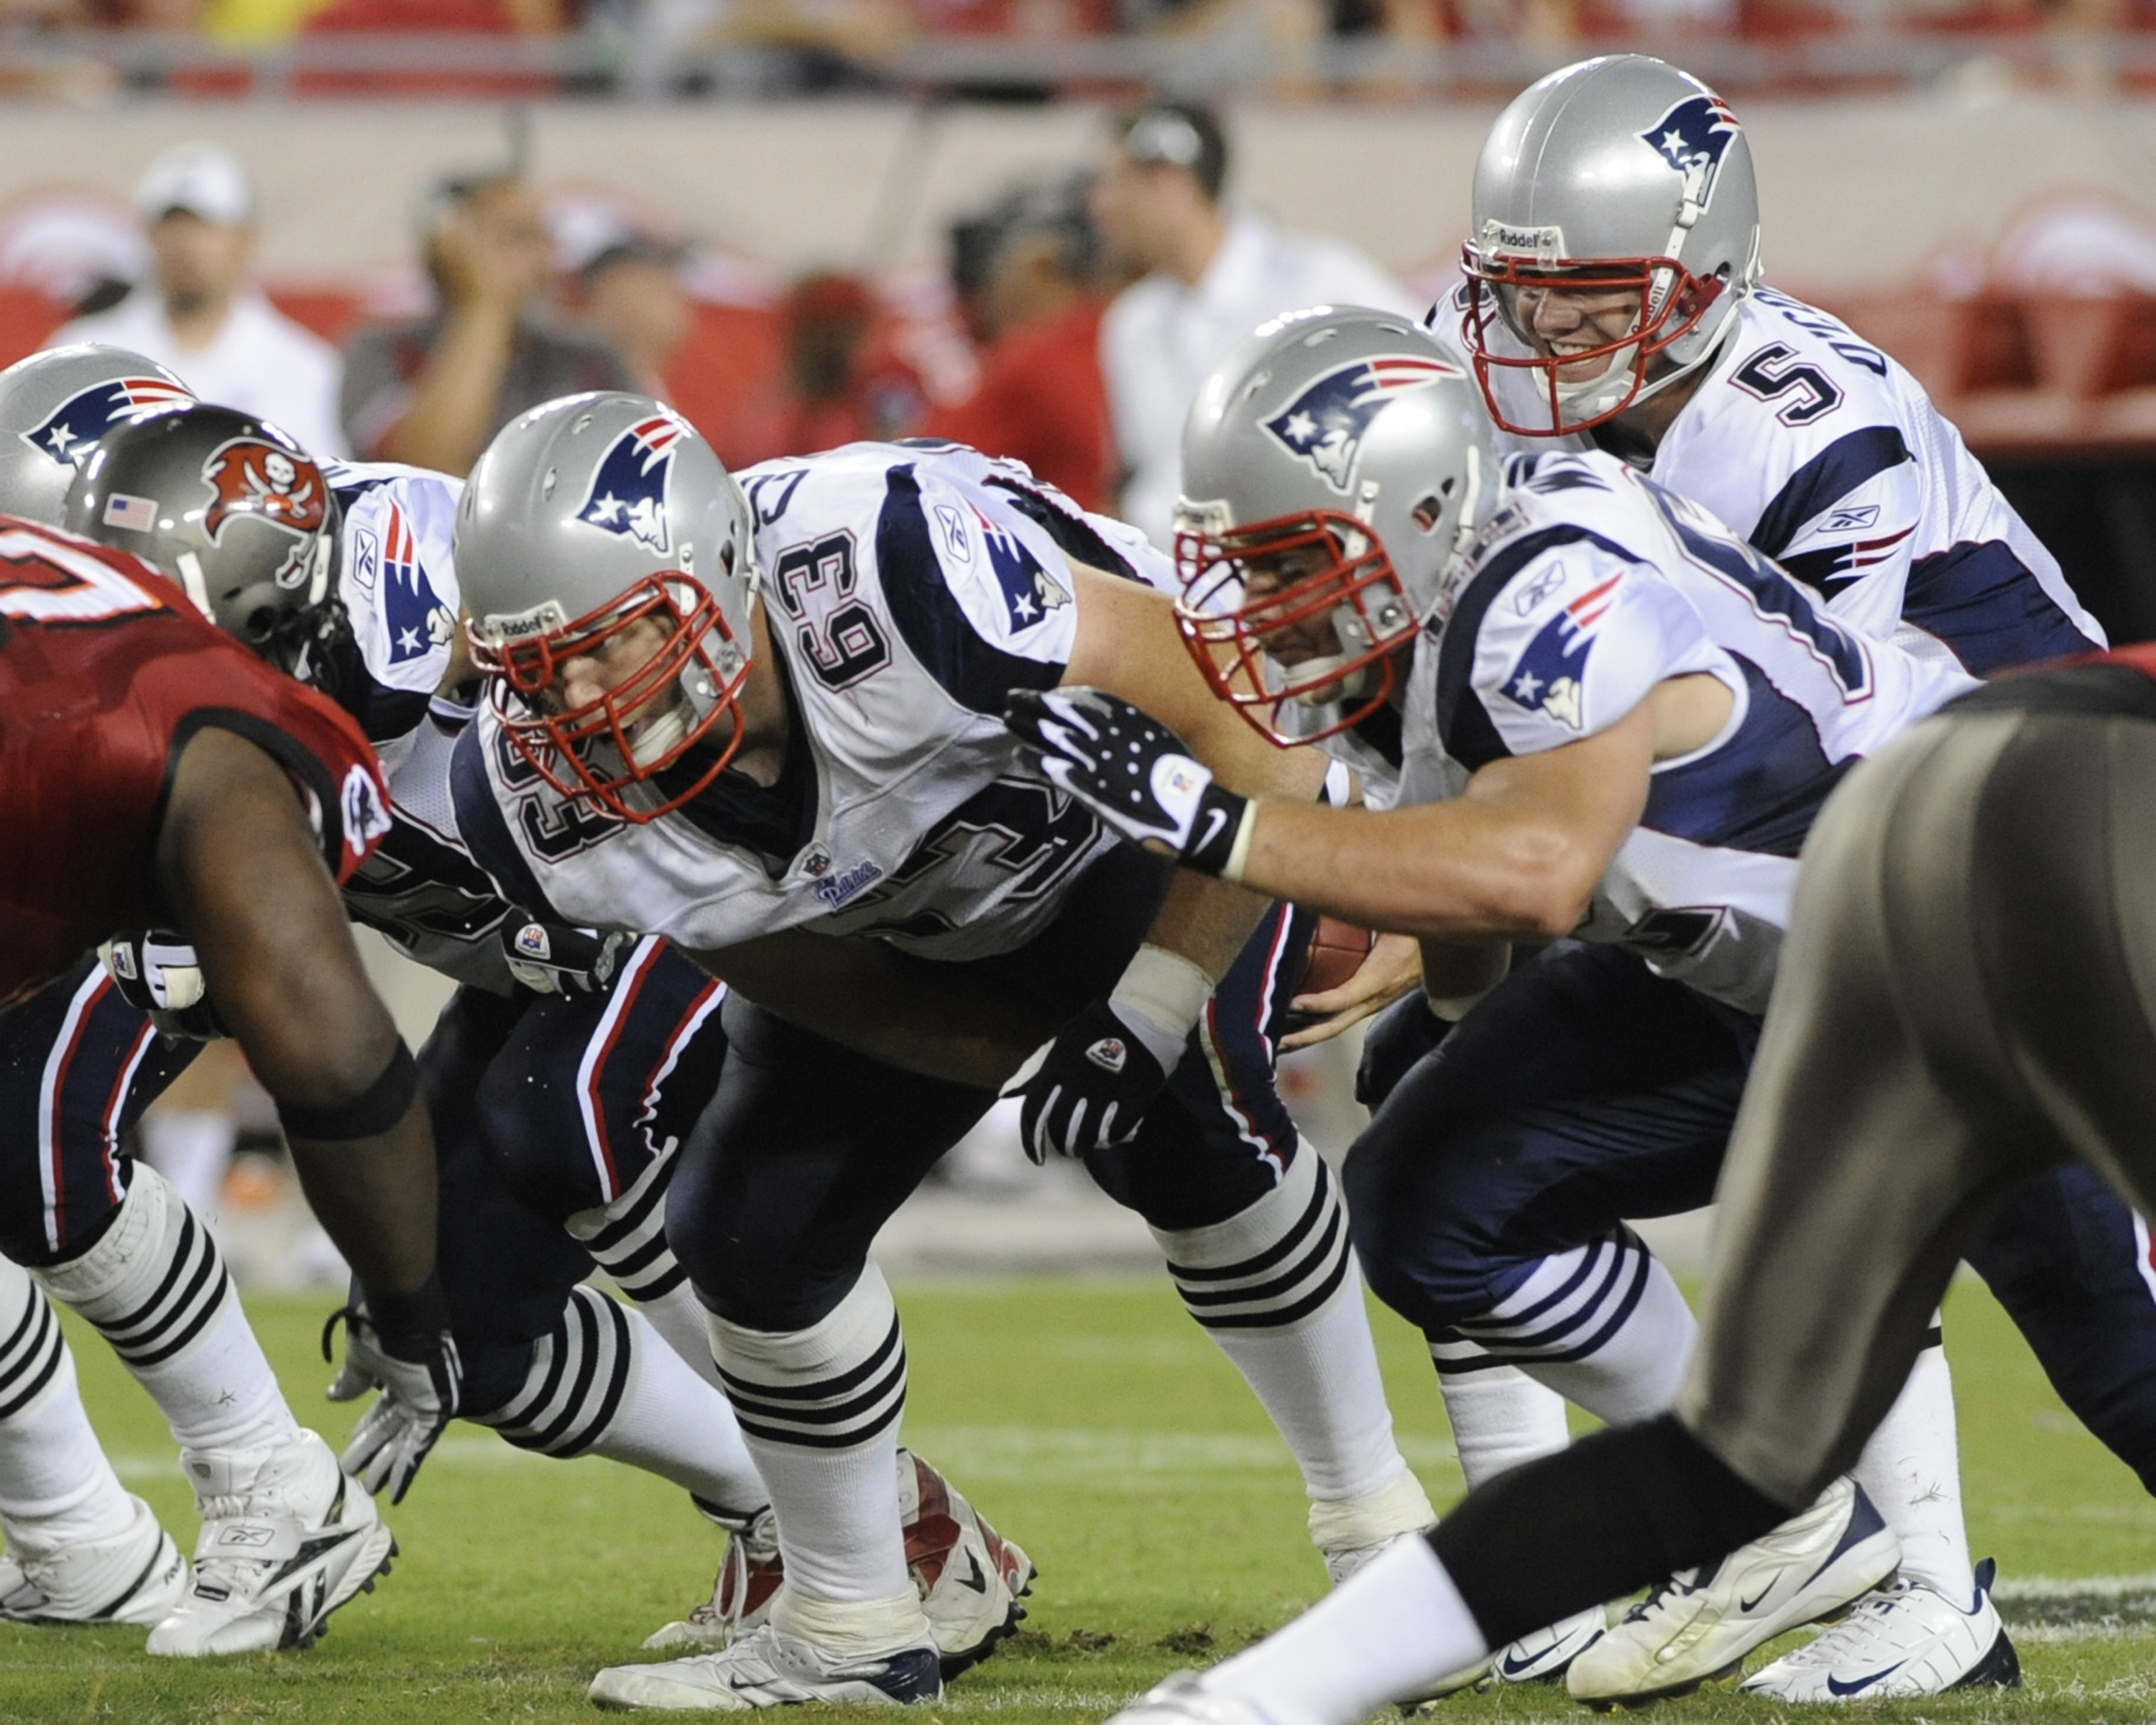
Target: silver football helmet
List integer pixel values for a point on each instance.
(54, 407)
(603, 526)
(1616, 229)
(1334, 466)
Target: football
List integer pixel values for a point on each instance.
(1336, 951)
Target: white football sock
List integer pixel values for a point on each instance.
(1602, 1325)
(1391, 1631)
(1500, 1418)
(819, 1408)
(55, 1485)
(679, 1318)
(1911, 1470)
(155, 1286)
(1277, 1286)
(192, 1148)
(604, 1383)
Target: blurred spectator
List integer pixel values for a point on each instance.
(1214, 274)
(1040, 398)
(842, 381)
(203, 318)
(626, 282)
(433, 390)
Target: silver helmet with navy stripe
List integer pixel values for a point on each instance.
(607, 558)
(54, 407)
(233, 510)
(1333, 467)
(1616, 229)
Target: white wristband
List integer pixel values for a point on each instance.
(1165, 993)
(1239, 853)
(1453, 1008)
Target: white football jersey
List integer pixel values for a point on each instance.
(1826, 455)
(909, 588)
(1587, 587)
(420, 887)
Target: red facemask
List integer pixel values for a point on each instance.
(1676, 301)
(1357, 595)
(560, 747)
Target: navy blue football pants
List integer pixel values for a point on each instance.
(808, 1147)
(1586, 1089)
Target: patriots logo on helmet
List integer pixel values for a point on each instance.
(253, 477)
(87, 414)
(1552, 674)
(1324, 424)
(1693, 137)
(629, 492)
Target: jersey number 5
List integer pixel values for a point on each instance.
(1768, 376)
(50, 581)
(838, 635)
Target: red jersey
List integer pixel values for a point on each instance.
(105, 674)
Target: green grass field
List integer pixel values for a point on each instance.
(1094, 1424)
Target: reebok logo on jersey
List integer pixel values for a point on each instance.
(1694, 138)
(1326, 423)
(1551, 675)
(1109, 1054)
(835, 889)
(629, 491)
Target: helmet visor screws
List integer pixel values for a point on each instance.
(607, 559)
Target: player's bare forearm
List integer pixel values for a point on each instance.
(1128, 645)
(1517, 856)
(238, 866)
(1207, 921)
(938, 1019)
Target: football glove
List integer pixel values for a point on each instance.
(157, 973)
(552, 958)
(1135, 775)
(419, 1378)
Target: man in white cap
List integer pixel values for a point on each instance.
(203, 319)
(1213, 272)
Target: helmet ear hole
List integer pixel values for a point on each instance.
(260, 625)
(1429, 510)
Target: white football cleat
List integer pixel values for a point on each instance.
(766, 1669)
(286, 1538)
(1183, 1700)
(135, 1576)
(748, 1581)
(1908, 1640)
(971, 1578)
(1547, 1654)
(1698, 1626)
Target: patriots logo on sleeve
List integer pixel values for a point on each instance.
(629, 492)
(1693, 137)
(1551, 675)
(418, 621)
(1324, 424)
(89, 413)
(1029, 592)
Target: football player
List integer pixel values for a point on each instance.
(153, 770)
(1616, 721)
(1965, 997)
(761, 720)
(1612, 298)
(562, 1074)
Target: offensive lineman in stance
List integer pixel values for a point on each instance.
(1968, 997)
(764, 725)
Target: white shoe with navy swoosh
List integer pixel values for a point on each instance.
(1698, 1626)
(1909, 1640)
(1547, 1654)
(767, 1669)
